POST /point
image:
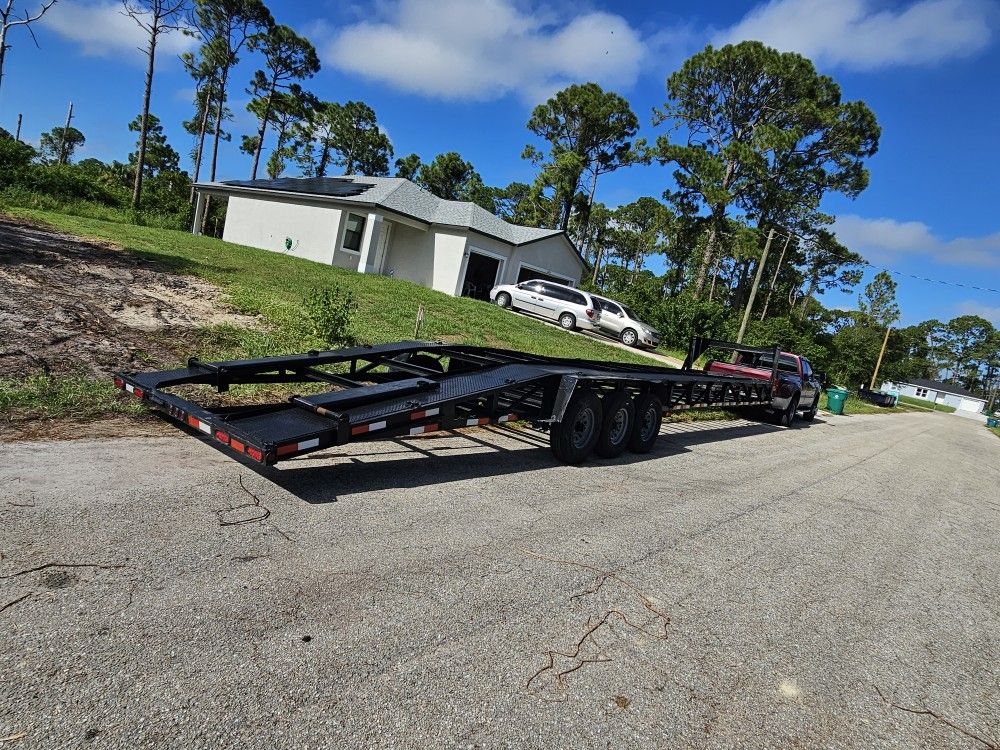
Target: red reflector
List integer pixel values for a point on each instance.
(236, 445)
(120, 384)
(284, 450)
(193, 421)
(221, 436)
(138, 393)
(255, 454)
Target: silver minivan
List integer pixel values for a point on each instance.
(571, 308)
(618, 321)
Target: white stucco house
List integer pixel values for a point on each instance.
(933, 391)
(388, 225)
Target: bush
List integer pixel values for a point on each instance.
(328, 314)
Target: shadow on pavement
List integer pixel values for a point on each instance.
(412, 463)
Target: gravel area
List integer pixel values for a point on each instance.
(833, 585)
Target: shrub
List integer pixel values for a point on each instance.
(328, 313)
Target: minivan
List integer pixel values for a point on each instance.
(571, 308)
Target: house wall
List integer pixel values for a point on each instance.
(552, 256)
(411, 254)
(449, 260)
(960, 403)
(266, 224)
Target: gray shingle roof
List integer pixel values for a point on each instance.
(402, 196)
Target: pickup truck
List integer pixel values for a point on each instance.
(796, 387)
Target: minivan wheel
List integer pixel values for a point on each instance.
(629, 337)
(574, 438)
(503, 300)
(616, 428)
(567, 321)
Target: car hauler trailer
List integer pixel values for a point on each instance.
(417, 387)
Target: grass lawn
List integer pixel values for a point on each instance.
(272, 286)
(994, 430)
(926, 405)
(855, 405)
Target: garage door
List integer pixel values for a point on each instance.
(971, 405)
(527, 274)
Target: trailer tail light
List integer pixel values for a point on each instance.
(222, 437)
(255, 454)
(138, 393)
(119, 384)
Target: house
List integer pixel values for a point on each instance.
(940, 393)
(390, 226)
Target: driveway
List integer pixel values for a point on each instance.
(833, 585)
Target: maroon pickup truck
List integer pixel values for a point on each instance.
(795, 388)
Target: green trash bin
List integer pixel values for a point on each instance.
(835, 398)
(993, 421)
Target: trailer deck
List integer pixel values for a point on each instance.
(417, 387)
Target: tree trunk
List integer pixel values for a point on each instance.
(597, 265)
(324, 159)
(706, 261)
(813, 283)
(201, 137)
(3, 52)
(774, 279)
(144, 125)
(263, 130)
(223, 80)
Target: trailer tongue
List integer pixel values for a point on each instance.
(416, 387)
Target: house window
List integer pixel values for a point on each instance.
(921, 393)
(353, 233)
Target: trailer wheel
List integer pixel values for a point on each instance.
(648, 415)
(568, 321)
(616, 427)
(573, 439)
(503, 300)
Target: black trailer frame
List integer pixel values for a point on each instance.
(412, 388)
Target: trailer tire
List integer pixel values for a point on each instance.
(616, 427)
(503, 300)
(574, 438)
(645, 430)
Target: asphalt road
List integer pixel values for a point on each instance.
(742, 587)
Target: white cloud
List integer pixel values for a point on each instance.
(454, 49)
(971, 307)
(884, 240)
(102, 30)
(855, 34)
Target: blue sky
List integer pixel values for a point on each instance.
(463, 75)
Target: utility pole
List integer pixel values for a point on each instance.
(885, 341)
(62, 145)
(756, 284)
(774, 279)
(17, 135)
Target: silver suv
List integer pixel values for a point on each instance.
(619, 322)
(571, 307)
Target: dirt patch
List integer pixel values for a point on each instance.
(146, 425)
(69, 305)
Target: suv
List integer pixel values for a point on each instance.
(572, 308)
(618, 321)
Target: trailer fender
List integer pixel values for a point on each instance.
(567, 387)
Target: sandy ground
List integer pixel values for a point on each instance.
(829, 586)
(72, 306)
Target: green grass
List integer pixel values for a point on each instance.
(272, 286)
(994, 430)
(926, 405)
(855, 405)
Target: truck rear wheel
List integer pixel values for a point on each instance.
(574, 438)
(648, 415)
(616, 427)
(810, 414)
(786, 417)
